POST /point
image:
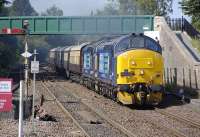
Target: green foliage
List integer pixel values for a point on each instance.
(148, 7)
(2, 3)
(192, 8)
(196, 44)
(22, 8)
(12, 46)
(39, 42)
(57, 40)
(8, 50)
(156, 7)
(196, 22)
(4, 10)
(137, 7)
(128, 7)
(109, 9)
(53, 11)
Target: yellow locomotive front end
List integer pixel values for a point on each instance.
(140, 75)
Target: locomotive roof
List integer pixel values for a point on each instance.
(118, 45)
(114, 40)
(100, 41)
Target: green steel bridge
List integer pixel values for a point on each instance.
(83, 25)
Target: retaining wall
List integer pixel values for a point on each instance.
(181, 68)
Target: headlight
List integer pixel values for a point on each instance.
(141, 72)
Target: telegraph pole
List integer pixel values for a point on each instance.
(25, 27)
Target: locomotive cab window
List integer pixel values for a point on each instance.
(137, 42)
(152, 45)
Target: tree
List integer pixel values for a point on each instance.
(128, 7)
(192, 8)
(22, 8)
(160, 7)
(109, 9)
(3, 9)
(141, 7)
(53, 11)
(55, 40)
(8, 54)
(44, 43)
(8, 46)
(2, 3)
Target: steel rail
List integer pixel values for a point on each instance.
(105, 117)
(67, 113)
(118, 126)
(170, 130)
(187, 121)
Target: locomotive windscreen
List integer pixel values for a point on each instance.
(137, 42)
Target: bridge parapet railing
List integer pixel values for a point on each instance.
(181, 24)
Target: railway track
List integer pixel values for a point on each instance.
(170, 131)
(91, 121)
(187, 121)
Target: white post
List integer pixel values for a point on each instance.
(33, 109)
(26, 70)
(25, 27)
(20, 133)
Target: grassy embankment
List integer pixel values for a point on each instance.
(196, 44)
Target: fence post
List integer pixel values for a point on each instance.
(173, 22)
(167, 75)
(195, 77)
(171, 79)
(183, 77)
(190, 78)
(175, 76)
(182, 25)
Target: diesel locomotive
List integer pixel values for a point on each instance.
(126, 68)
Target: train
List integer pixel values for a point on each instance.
(127, 68)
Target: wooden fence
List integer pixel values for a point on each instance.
(183, 77)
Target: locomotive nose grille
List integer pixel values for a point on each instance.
(141, 63)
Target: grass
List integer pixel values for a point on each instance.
(196, 44)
